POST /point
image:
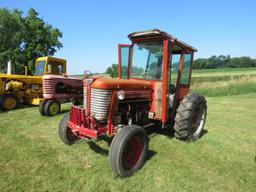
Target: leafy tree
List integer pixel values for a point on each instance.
(113, 70)
(11, 34)
(223, 61)
(199, 63)
(40, 38)
(254, 62)
(23, 39)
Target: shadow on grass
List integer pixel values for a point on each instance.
(204, 132)
(97, 149)
(150, 154)
(63, 111)
(168, 132)
(102, 151)
(21, 106)
(151, 131)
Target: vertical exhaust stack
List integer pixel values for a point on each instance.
(9, 68)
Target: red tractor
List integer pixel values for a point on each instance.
(152, 88)
(58, 89)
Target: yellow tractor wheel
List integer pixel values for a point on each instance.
(9, 102)
(52, 107)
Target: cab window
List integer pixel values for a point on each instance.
(147, 60)
(55, 68)
(186, 69)
(39, 69)
(125, 52)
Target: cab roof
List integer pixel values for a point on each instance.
(156, 33)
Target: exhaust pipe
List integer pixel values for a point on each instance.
(9, 68)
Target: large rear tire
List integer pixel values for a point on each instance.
(52, 107)
(65, 133)
(1, 101)
(128, 150)
(190, 117)
(8, 102)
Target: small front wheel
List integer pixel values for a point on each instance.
(65, 132)
(128, 150)
(52, 107)
(41, 107)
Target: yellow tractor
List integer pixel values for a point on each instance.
(16, 89)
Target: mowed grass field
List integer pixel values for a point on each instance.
(223, 72)
(33, 158)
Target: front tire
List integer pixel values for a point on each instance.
(190, 117)
(65, 133)
(52, 107)
(128, 150)
(41, 107)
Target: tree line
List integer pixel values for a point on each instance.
(24, 38)
(223, 61)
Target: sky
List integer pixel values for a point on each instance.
(93, 29)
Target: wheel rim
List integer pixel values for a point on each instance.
(9, 103)
(198, 120)
(132, 152)
(54, 108)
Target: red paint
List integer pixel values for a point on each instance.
(165, 80)
(84, 125)
(132, 152)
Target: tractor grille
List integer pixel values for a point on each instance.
(100, 99)
(48, 86)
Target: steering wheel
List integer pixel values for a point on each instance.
(87, 74)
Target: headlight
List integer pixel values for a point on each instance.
(120, 95)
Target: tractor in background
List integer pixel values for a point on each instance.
(152, 89)
(28, 89)
(58, 89)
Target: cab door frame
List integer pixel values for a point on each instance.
(120, 46)
(182, 89)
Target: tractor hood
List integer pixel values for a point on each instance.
(108, 83)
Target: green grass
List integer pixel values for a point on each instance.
(33, 158)
(223, 72)
(229, 86)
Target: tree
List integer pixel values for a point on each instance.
(11, 33)
(199, 63)
(113, 70)
(23, 39)
(40, 38)
(223, 61)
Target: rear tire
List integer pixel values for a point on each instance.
(190, 117)
(52, 107)
(41, 107)
(8, 102)
(65, 133)
(128, 150)
(1, 102)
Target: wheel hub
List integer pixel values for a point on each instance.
(54, 108)
(132, 152)
(198, 120)
(9, 103)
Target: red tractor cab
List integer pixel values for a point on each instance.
(152, 88)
